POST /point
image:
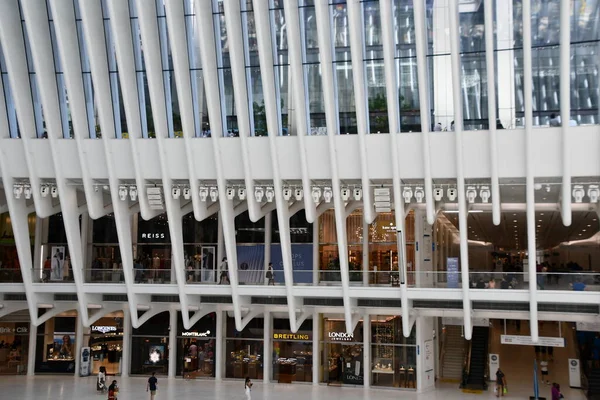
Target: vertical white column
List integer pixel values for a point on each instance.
(134, 233)
(172, 342)
(565, 107)
(367, 350)
(316, 251)
(419, 277)
(37, 248)
(78, 342)
(219, 345)
(365, 253)
(220, 245)
(268, 239)
(85, 230)
(505, 59)
(126, 352)
(316, 351)
(267, 346)
(442, 68)
(31, 350)
(425, 368)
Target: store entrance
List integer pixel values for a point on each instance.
(344, 364)
(384, 264)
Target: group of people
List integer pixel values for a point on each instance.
(502, 386)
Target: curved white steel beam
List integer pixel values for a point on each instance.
(156, 86)
(491, 89)
(263, 34)
(327, 75)
(120, 24)
(296, 74)
(529, 150)
(460, 179)
(207, 42)
(361, 100)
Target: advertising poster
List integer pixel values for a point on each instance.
(57, 263)
(251, 263)
(302, 262)
(85, 361)
(494, 364)
(453, 273)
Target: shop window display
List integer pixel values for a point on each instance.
(10, 270)
(104, 259)
(393, 357)
(197, 348)
(14, 345)
(343, 353)
(55, 349)
(200, 247)
(150, 346)
(105, 340)
(244, 350)
(292, 352)
(153, 256)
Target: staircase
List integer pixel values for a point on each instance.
(454, 354)
(593, 379)
(479, 357)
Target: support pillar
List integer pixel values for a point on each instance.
(172, 343)
(425, 369)
(316, 251)
(219, 347)
(85, 230)
(365, 254)
(419, 280)
(268, 240)
(134, 233)
(367, 350)
(316, 361)
(220, 245)
(267, 346)
(78, 343)
(126, 353)
(38, 262)
(32, 348)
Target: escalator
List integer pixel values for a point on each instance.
(475, 376)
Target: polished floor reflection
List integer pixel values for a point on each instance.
(54, 387)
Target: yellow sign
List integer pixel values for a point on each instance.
(291, 336)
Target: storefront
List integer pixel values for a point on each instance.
(14, 343)
(196, 348)
(244, 350)
(150, 346)
(393, 357)
(153, 252)
(105, 340)
(55, 347)
(104, 255)
(292, 352)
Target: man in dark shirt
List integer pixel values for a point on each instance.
(152, 381)
(500, 383)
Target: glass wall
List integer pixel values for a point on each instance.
(281, 64)
(200, 248)
(104, 256)
(56, 266)
(153, 256)
(55, 348)
(244, 350)
(196, 348)
(11, 112)
(105, 340)
(14, 343)
(343, 361)
(10, 267)
(150, 346)
(292, 352)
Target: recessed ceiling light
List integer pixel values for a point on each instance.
(594, 220)
(514, 214)
(583, 230)
(539, 220)
(541, 213)
(514, 220)
(543, 198)
(589, 226)
(539, 226)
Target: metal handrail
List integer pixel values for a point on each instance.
(467, 364)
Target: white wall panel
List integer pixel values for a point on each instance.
(14, 153)
(203, 159)
(69, 160)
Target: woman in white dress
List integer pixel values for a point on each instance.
(248, 388)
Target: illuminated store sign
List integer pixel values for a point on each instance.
(291, 336)
(153, 235)
(196, 334)
(20, 329)
(103, 328)
(341, 336)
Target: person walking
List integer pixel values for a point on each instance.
(556, 394)
(151, 386)
(224, 276)
(113, 391)
(270, 275)
(500, 383)
(248, 388)
(545, 373)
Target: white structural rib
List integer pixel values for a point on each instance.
(178, 41)
(156, 86)
(565, 107)
(63, 14)
(121, 31)
(361, 100)
(265, 52)
(206, 39)
(36, 18)
(93, 28)
(235, 40)
(296, 74)
(327, 75)
(387, 28)
(491, 89)
(460, 177)
(13, 46)
(529, 187)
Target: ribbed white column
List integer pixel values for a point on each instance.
(172, 342)
(220, 346)
(460, 179)
(367, 350)
(316, 350)
(31, 350)
(565, 107)
(529, 149)
(268, 347)
(126, 350)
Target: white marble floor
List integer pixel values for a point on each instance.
(58, 387)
